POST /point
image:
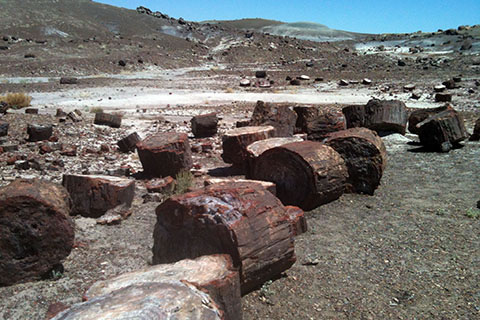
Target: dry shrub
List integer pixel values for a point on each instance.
(229, 90)
(16, 100)
(96, 110)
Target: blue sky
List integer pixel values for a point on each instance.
(352, 15)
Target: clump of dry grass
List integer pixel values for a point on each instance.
(96, 110)
(229, 90)
(16, 100)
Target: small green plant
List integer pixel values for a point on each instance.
(184, 180)
(96, 110)
(16, 100)
(56, 274)
(473, 213)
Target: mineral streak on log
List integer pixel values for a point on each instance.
(307, 174)
(36, 231)
(213, 274)
(243, 220)
(317, 122)
(165, 154)
(365, 156)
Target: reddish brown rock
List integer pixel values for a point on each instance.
(236, 141)
(476, 131)
(45, 148)
(243, 220)
(54, 309)
(297, 219)
(307, 174)
(317, 122)
(419, 115)
(214, 274)
(68, 150)
(365, 156)
(108, 119)
(281, 117)
(60, 113)
(36, 231)
(128, 143)
(39, 132)
(204, 125)
(93, 195)
(166, 184)
(165, 154)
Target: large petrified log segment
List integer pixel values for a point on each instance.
(108, 119)
(317, 121)
(36, 231)
(383, 116)
(281, 117)
(128, 143)
(419, 115)
(243, 220)
(39, 132)
(476, 131)
(165, 154)
(307, 174)
(94, 195)
(442, 131)
(145, 301)
(365, 155)
(204, 125)
(214, 274)
(236, 141)
(297, 219)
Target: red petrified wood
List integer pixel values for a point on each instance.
(281, 117)
(318, 121)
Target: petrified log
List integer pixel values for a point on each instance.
(281, 117)
(31, 111)
(93, 195)
(236, 141)
(307, 174)
(36, 231)
(383, 116)
(243, 220)
(419, 115)
(75, 116)
(297, 220)
(476, 131)
(169, 300)
(68, 80)
(60, 113)
(39, 132)
(270, 186)
(108, 119)
(204, 125)
(165, 154)
(365, 156)
(4, 128)
(128, 143)
(317, 122)
(442, 131)
(443, 97)
(213, 274)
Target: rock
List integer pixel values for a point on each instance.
(165, 154)
(122, 63)
(68, 150)
(476, 131)
(419, 115)
(161, 185)
(93, 195)
(245, 83)
(39, 132)
(264, 84)
(115, 215)
(365, 156)
(265, 184)
(31, 111)
(401, 63)
(295, 82)
(168, 300)
(416, 95)
(60, 113)
(457, 79)
(29, 56)
(36, 232)
(439, 88)
(303, 77)
(281, 117)
(235, 142)
(107, 119)
(466, 45)
(297, 219)
(3, 107)
(204, 125)
(242, 123)
(128, 143)
(213, 274)
(75, 116)
(260, 74)
(4, 128)
(367, 81)
(243, 220)
(9, 147)
(450, 84)
(443, 97)
(68, 80)
(409, 87)
(307, 174)
(317, 122)
(343, 82)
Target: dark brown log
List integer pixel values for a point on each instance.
(365, 156)
(443, 97)
(297, 220)
(39, 132)
(270, 186)
(236, 141)
(213, 274)
(108, 119)
(476, 131)
(128, 143)
(419, 115)
(204, 125)
(383, 116)
(281, 117)
(165, 154)
(317, 122)
(442, 131)
(31, 111)
(243, 220)
(307, 174)
(4, 128)
(36, 231)
(68, 80)
(146, 301)
(93, 195)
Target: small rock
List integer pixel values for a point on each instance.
(409, 87)
(439, 88)
(443, 97)
(367, 81)
(245, 83)
(343, 82)
(68, 80)
(261, 74)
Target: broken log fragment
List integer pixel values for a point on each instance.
(419, 115)
(36, 231)
(365, 156)
(93, 195)
(297, 219)
(204, 125)
(108, 119)
(128, 143)
(243, 220)
(317, 122)
(307, 174)
(213, 274)
(165, 154)
(281, 117)
(4, 128)
(236, 141)
(442, 131)
(476, 131)
(39, 132)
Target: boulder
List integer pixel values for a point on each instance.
(281, 117)
(204, 125)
